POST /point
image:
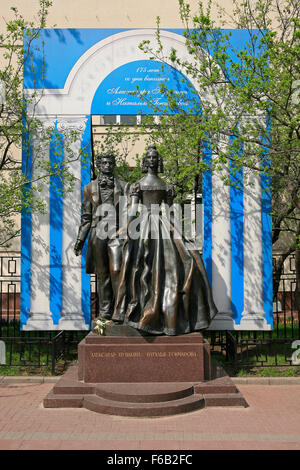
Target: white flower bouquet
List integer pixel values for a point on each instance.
(101, 324)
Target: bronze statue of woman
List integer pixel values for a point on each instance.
(163, 286)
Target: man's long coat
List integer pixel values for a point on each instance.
(96, 257)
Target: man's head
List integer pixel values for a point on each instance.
(105, 163)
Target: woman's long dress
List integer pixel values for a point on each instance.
(163, 286)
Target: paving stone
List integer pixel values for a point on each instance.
(284, 380)
(271, 421)
(266, 380)
(239, 380)
(50, 380)
(20, 379)
(253, 381)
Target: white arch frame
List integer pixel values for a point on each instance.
(96, 64)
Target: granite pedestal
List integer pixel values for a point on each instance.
(155, 359)
(143, 376)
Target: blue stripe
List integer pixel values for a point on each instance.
(59, 49)
(26, 233)
(207, 211)
(85, 179)
(266, 207)
(237, 241)
(56, 219)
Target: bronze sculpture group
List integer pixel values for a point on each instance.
(148, 280)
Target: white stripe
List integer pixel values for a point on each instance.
(72, 315)
(221, 251)
(40, 248)
(253, 315)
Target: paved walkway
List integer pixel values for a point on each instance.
(272, 421)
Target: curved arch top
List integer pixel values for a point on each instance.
(131, 88)
(96, 64)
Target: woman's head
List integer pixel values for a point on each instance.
(152, 160)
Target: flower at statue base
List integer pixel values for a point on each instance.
(101, 324)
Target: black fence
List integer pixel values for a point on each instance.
(49, 351)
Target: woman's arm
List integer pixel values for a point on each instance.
(134, 195)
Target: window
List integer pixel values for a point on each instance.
(108, 119)
(128, 120)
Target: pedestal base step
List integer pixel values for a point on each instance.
(122, 408)
(144, 392)
(142, 399)
(165, 408)
(225, 399)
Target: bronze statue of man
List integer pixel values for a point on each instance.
(103, 254)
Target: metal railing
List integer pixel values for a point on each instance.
(44, 349)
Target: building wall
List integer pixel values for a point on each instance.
(103, 14)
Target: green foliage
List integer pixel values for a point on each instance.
(21, 189)
(249, 106)
(248, 94)
(278, 372)
(179, 141)
(120, 141)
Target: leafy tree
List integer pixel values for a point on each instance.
(120, 140)
(19, 187)
(249, 106)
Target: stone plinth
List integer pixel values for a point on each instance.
(137, 375)
(111, 359)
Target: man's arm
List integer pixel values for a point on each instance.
(85, 224)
